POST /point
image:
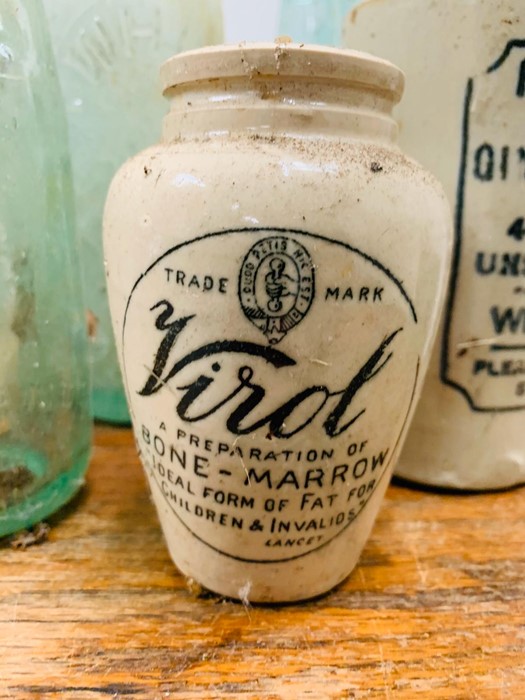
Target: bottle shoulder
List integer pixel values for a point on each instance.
(364, 191)
(268, 161)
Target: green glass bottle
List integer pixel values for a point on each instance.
(314, 21)
(108, 56)
(45, 428)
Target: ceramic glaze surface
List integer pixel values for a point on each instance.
(463, 119)
(274, 300)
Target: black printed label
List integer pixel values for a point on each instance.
(270, 375)
(484, 342)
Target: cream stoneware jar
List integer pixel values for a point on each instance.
(463, 117)
(276, 268)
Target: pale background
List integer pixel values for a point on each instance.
(251, 20)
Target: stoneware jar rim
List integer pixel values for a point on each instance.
(287, 60)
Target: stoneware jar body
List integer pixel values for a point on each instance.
(463, 119)
(275, 271)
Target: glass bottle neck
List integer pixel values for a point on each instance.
(275, 106)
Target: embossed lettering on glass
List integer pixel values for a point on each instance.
(108, 55)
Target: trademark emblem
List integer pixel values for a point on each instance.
(276, 286)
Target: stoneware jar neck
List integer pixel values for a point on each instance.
(279, 106)
(289, 90)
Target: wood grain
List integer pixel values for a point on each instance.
(435, 610)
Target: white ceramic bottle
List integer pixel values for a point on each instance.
(463, 118)
(275, 269)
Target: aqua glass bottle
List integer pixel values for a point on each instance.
(314, 21)
(108, 55)
(45, 426)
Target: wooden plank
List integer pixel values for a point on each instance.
(436, 608)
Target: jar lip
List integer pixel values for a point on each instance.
(287, 60)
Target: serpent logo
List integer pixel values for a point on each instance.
(276, 286)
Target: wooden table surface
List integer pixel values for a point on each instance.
(436, 608)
